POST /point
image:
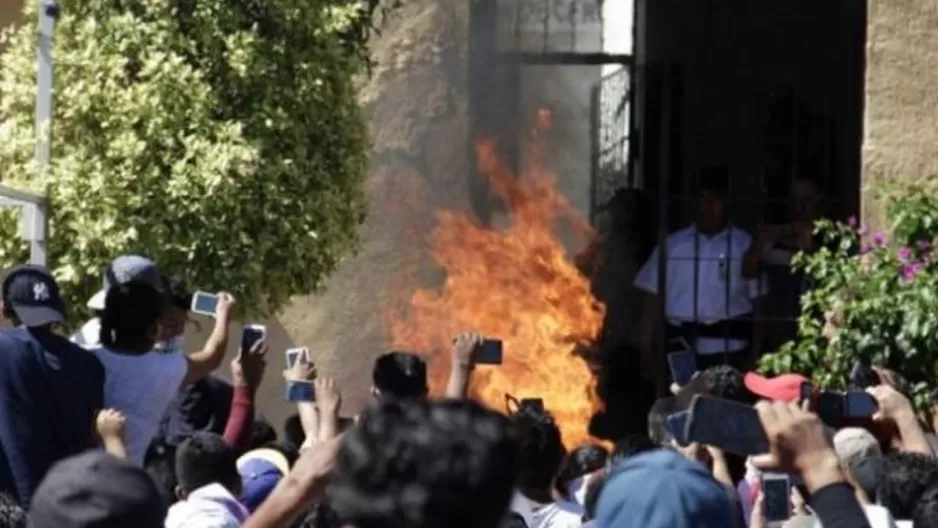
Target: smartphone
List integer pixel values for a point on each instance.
(859, 405)
(536, 404)
(204, 304)
(489, 352)
(677, 427)
(776, 493)
(299, 391)
(251, 334)
(829, 406)
(683, 365)
(806, 392)
(297, 354)
(733, 427)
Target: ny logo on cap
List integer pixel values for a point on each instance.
(41, 292)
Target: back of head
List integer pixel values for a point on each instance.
(96, 489)
(541, 448)
(725, 382)
(578, 463)
(414, 464)
(160, 463)
(400, 375)
(130, 319)
(905, 478)
(630, 446)
(205, 459)
(926, 511)
(662, 489)
(859, 452)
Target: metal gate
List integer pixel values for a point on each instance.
(507, 36)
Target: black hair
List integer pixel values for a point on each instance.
(400, 375)
(593, 489)
(630, 446)
(293, 432)
(204, 459)
(658, 420)
(160, 463)
(905, 478)
(513, 520)
(12, 515)
(417, 464)
(130, 311)
(926, 511)
(580, 462)
(542, 449)
(177, 292)
(262, 434)
(320, 515)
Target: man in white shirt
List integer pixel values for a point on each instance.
(706, 300)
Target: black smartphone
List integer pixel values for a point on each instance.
(250, 335)
(535, 404)
(683, 365)
(805, 394)
(677, 427)
(489, 353)
(730, 426)
(863, 376)
(776, 493)
(859, 405)
(829, 406)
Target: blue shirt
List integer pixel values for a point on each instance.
(50, 393)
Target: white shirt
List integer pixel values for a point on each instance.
(560, 514)
(721, 291)
(141, 387)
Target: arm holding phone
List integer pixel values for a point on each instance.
(328, 401)
(462, 363)
(247, 371)
(207, 360)
(894, 407)
(305, 371)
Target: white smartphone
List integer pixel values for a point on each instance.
(297, 354)
(204, 304)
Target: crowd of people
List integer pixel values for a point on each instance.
(117, 426)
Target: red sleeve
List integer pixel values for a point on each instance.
(238, 428)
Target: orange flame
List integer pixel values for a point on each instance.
(516, 284)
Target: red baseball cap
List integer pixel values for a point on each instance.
(784, 388)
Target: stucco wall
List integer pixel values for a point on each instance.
(901, 129)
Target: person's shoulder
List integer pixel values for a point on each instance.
(681, 235)
(740, 234)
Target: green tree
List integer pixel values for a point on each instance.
(222, 138)
(873, 297)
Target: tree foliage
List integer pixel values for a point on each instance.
(222, 138)
(873, 297)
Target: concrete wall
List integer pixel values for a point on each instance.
(901, 127)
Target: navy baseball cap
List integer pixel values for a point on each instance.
(124, 269)
(96, 490)
(33, 295)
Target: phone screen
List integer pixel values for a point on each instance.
(733, 427)
(489, 353)
(299, 391)
(204, 303)
(677, 427)
(860, 405)
(776, 492)
(683, 366)
(251, 335)
(295, 354)
(829, 406)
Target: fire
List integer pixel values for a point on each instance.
(516, 284)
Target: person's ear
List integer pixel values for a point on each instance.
(180, 493)
(155, 332)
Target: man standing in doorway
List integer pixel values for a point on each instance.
(707, 301)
